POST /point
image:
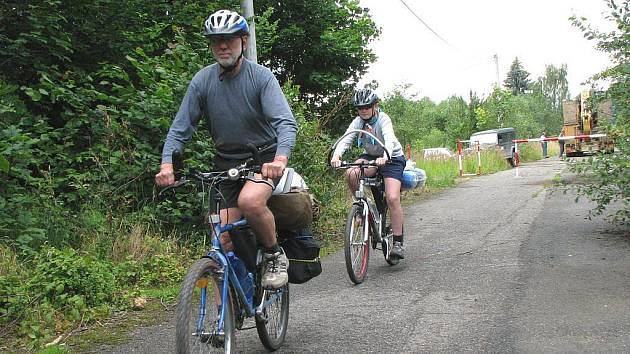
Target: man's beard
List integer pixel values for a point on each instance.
(226, 63)
(230, 62)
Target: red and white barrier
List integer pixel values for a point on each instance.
(460, 157)
(554, 138)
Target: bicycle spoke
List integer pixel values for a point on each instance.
(355, 247)
(272, 323)
(198, 312)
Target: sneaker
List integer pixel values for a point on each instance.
(398, 251)
(275, 275)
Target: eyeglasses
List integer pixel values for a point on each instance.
(222, 39)
(365, 107)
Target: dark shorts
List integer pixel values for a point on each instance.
(230, 190)
(394, 169)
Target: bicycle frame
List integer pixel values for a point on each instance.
(232, 302)
(217, 253)
(371, 211)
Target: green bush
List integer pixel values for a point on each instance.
(57, 288)
(60, 287)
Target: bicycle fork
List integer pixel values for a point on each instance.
(375, 222)
(218, 333)
(373, 218)
(367, 217)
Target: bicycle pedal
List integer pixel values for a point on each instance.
(218, 342)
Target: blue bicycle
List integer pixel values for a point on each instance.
(214, 301)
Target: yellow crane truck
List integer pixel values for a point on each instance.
(581, 117)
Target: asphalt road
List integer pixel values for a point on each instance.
(499, 264)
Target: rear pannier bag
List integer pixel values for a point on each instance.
(291, 203)
(292, 210)
(302, 250)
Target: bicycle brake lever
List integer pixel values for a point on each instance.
(177, 183)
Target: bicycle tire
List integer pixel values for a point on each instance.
(202, 275)
(272, 324)
(355, 249)
(387, 237)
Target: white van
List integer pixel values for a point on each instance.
(499, 138)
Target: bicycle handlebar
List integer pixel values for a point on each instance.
(245, 170)
(356, 131)
(346, 164)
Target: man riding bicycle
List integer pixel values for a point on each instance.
(242, 103)
(372, 119)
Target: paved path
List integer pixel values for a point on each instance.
(498, 264)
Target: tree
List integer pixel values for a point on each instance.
(517, 78)
(554, 85)
(320, 45)
(457, 123)
(606, 176)
(413, 118)
(475, 101)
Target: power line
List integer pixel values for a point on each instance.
(425, 24)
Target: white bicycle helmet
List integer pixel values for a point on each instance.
(225, 22)
(364, 97)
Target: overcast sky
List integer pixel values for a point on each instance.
(469, 33)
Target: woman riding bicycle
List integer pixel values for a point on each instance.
(372, 119)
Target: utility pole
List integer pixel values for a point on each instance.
(496, 65)
(248, 13)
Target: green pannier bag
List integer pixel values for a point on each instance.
(291, 203)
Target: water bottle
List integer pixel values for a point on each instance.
(245, 278)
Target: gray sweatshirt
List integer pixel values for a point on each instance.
(382, 129)
(247, 108)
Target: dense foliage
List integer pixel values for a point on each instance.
(607, 176)
(98, 83)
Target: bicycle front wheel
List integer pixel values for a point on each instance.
(198, 312)
(272, 323)
(356, 248)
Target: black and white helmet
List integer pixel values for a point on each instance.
(364, 97)
(225, 22)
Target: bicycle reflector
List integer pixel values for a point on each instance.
(202, 283)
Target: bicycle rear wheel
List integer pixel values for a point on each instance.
(196, 333)
(387, 237)
(272, 323)
(356, 249)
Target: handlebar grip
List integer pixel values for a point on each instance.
(178, 161)
(255, 162)
(178, 164)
